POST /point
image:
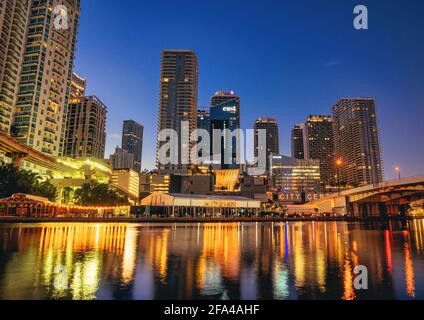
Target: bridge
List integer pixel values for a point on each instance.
(389, 198)
(18, 152)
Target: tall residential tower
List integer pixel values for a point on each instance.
(318, 144)
(13, 26)
(357, 142)
(45, 80)
(86, 128)
(178, 101)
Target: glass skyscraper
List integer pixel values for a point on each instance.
(225, 114)
(132, 141)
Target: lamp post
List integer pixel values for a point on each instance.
(339, 162)
(398, 172)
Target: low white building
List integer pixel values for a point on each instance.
(202, 205)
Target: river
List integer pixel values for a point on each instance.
(287, 261)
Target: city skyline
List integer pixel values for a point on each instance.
(332, 71)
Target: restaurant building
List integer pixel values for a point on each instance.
(200, 205)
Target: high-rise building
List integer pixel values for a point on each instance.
(204, 118)
(297, 143)
(290, 175)
(13, 24)
(203, 123)
(132, 141)
(78, 86)
(86, 128)
(272, 142)
(225, 115)
(178, 101)
(121, 159)
(318, 144)
(45, 80)
(357, 142)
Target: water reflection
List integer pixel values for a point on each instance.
(211, 261)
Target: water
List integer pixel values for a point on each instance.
(302, 260)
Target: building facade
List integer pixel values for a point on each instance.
(121, 159)
(45, 80)
(13, 26)
(272, 142)
(297, 143)
(178, 101)
(290, 175)
(132, 141)
(86, 128)
(78, 86)
(357, 142)
(225, 115)
(127, 181)
(204, 118)
(318, 144)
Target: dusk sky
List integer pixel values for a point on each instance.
(285, 59)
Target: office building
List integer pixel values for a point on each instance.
(13, 25)
(127, 181)
(132, 141)
(122, 159)
(204, 118)
(357, 142)
(45, 79)
(271, 143)
(297, 144)
(178, 102)
(85, 128)
(318, 144)
(291, 175)
(225, 115)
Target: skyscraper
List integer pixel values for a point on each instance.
(297, 144)
(272, 143)
(178, 100)
(45, 80)
(204, 118)
(132, 141)
(357, 142)
(318, 144)
(225, 114)
(86, 128)
(78, 86)
(13, 23)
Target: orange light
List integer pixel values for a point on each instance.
(339, 162)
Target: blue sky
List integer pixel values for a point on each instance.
(285, 59)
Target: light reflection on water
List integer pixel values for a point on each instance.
(302, 260)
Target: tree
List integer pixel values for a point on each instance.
(14, 181)
(95, 194)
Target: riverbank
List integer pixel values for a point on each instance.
(10, 219)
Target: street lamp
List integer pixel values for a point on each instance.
(339, 163)
(398, 172)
